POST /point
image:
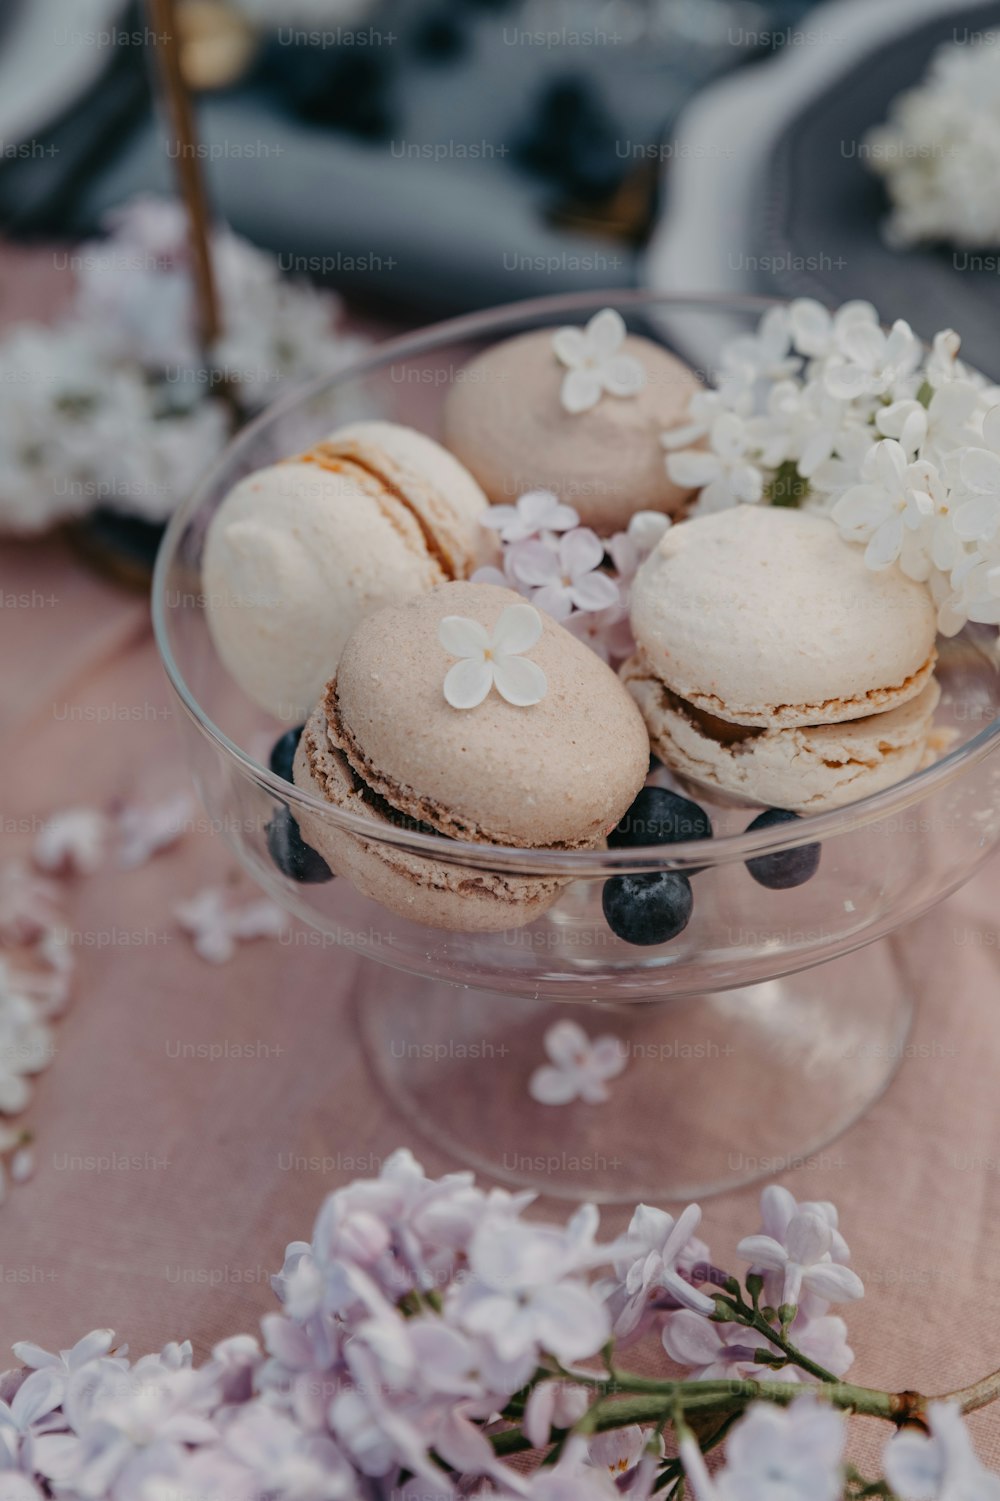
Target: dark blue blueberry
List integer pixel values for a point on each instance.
(785, 868)
(290, 853)
(283, 753)
(660, 817)
(648, 909)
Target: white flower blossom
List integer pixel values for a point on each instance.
(608, 633)
(715, 1351)
(534, 513)
(976, 471)
(26, 1047)
(795, 1453)
(144, 831)
(940, 1466)
(658, 1249)
(565, 575)
(733, 394)
(110, 405)
(489, 659)
(553, 1404)
(28, 904)
(935, 430)
(894, 498)
(525, 1295)
(778, 1208)
(215, 928)
(767, 353)
(620, 1450)
(976, 581)
(869, 362)
(72, 842)
(804, 1258)
(596, 363)
(579, 1068)
(725, 472)
(817, 333)
(939, 151)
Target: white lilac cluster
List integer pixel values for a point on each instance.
(568, 571)
(36, 989)
(35, 985)
(898, 444)
(429, 1331)
(939, 151)
(113, 405)
(33, 992)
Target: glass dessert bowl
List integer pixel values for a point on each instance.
(771, 984)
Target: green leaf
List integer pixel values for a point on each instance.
(787, 488)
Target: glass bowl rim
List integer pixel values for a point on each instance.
(540, 862)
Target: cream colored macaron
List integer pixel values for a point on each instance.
(807, 768)
(774, 665)
(558, 773)
(765, 616)
(507, 424)
(299, 552)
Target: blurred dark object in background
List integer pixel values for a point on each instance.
(819, 223)
(433, 157)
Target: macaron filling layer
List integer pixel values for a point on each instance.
(827, 711)
(435, 891)
(725, 731)
(388, 494)
(807, 768)
(402, 803)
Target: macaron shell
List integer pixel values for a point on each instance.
(805, 768)
(557, 774)
(765, 616)
(295, 557)
(507, 424)
(439, 490)
(431, 892)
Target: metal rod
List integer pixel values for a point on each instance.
(188, 160)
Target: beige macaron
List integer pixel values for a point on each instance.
(807, 768)
(774, 665)
(299, 552)
(386, 743)
(507, 424)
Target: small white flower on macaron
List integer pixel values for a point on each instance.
(594, 362)
(493, 659)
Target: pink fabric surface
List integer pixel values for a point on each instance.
(167, 1186)
(177, 1238)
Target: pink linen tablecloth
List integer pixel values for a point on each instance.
(168, 1183)
(164, 1196)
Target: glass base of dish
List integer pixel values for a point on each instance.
(716, 1091)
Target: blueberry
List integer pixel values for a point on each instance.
(290, 853)
(648, 909)
(283, 753)
(785, 868)
(660, 817)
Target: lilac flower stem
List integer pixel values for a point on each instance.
(739, 1312)
(647, 1402)
(980, 1394)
